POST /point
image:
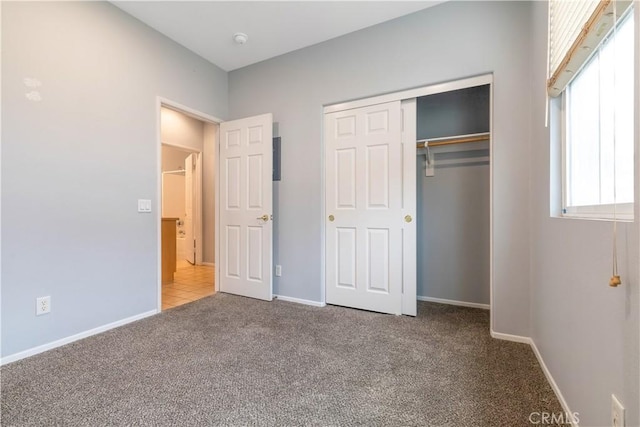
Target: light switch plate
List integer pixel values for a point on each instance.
(144, 205)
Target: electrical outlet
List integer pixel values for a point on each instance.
(43, 305)
(278, 270)
(617, 412)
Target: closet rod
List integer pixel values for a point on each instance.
(455, 140)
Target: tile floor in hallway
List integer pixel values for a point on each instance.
(190, 283)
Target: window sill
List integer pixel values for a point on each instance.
(596, 217)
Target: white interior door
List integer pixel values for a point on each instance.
(246, 168)
(189, 202)
(365, 224)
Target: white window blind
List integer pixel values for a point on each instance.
(576, 28)
(566, 19)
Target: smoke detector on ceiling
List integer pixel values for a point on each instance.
(240, 38)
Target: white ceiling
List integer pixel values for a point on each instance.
(273, 27)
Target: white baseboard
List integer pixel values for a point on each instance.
(514, 338)
(552, 383)
(59, 343)
(453, 302)
(208, 264)
(300, 301)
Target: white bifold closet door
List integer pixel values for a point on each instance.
(246, 171)
(368, 218)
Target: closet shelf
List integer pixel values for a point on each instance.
(450, 140)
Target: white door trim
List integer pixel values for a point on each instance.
(164, 102)
(404, 95)
(491, 228)
(411, 93)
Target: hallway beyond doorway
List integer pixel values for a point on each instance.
(190, 283)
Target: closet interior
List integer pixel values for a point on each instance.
(453, 196)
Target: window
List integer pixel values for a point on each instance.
(598, 131)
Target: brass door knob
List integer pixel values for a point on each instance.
(264, 217)
(332, 218)
(408, 218)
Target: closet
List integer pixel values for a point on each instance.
(408, 198)
(453, 196)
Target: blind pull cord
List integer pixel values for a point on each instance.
(615, 280)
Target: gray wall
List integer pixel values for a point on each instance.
(586, 331)
(453, 228)
(420, 49)
(74, 164)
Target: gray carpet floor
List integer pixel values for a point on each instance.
(228, 360)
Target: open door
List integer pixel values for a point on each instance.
(246, 228)
(189, 208)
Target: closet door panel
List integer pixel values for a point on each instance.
(232, 251)
(364, 208)
(346, 258)
(377, 170)
(345, 168)
(378, 260)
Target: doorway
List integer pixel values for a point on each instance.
(237, 170)
(187, 206)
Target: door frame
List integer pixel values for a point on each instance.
(400, 96)
(164, 102)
